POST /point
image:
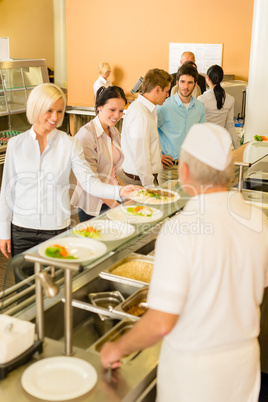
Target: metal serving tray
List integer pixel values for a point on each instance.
(108, 275)
(259, 175)
(115, 333)
(107, 300)
(134, 300)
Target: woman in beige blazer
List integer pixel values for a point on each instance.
(100, 140)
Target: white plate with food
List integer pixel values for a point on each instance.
(154, 196)
(135, 214)
(71, 249)
(105, 230)
(59, 378)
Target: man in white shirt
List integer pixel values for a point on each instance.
(206, 289)
(139, 139)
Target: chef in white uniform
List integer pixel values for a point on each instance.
(211, 268)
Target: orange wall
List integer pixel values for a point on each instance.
(29, 26)
(134, 36)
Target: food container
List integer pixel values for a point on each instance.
(115, 333)
(126, 281)
(255, 150)
(108, 300)
(133, 304)
(16, 336)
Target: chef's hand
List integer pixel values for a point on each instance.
(125, 191)
(110, 355)
(167, 161)
(5, 247)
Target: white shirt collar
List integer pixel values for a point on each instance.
(102, 79)
(151, 106)
(180, 102)
(50, 136)
(98, 126)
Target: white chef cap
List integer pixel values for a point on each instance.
(209, 143)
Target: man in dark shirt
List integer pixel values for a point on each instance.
(201, 81)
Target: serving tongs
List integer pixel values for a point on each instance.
(115, 314)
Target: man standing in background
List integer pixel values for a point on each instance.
(139, 139)
(201, 81)
(175, 117)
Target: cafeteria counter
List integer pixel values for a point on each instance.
(135, 381)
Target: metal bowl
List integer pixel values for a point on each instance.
(108, 300)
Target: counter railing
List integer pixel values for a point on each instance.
(239, 161)
(20, 296)
(68, 268)
(143, 234)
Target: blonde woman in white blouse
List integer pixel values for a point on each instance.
(219, 106)
(100, 140)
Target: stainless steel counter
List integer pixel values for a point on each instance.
(127, 383)
(136, 376)
(132, 380)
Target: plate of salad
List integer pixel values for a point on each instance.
(135, 213)
(260, 138)
(154, 196)
(105, 230)
(71, 249)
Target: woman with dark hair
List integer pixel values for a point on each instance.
(100, 140)
(219, 106)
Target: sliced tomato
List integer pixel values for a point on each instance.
(91, 229)
(137, 209)
(63, 251)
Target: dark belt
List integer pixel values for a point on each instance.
(132, 176)
(155, 177)
(175, 163)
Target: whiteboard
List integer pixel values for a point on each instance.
(205, 55)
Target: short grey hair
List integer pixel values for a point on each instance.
(41, 98)
(203, 174)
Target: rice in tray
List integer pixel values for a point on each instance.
(138, 270)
